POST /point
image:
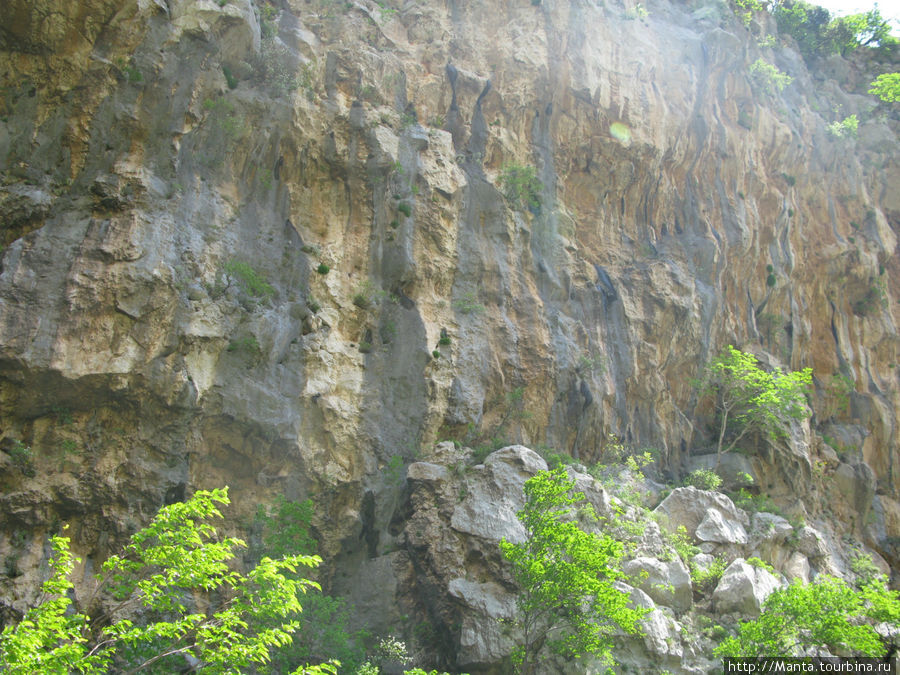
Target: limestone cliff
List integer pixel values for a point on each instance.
(271, 246)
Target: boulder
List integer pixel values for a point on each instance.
(689, 507)
(667, 583)
(797, 567)
(482, 638)
(716, 529)
(743, 589)
(495, 495)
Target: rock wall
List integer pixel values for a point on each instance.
(212, 277)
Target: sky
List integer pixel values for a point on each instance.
(890, 9)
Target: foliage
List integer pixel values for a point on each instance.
(846, 128)
(230, 79)
(863, 567)
(521, 186)
(553, 458)
(818, 35)
(749, 399)
(249, 279)
(745, 9)
(245, 345)
(680, 540)
(224, 119)
(364, 296)
(323, 633)
(468, 304)
(705, 579)
(323, 269)
(166, 568)
(22, 457)
(636, 12)
(405, 209)
(704, 479)
(285, 527)
(768, 78)
(886, 87)
(568, 604)
(827, 613)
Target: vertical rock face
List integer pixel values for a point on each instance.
(212, 276)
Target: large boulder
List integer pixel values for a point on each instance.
(716, 529)
(743, 589)
(668, 583)
(690, 507)
(494, 495)
(482, 636)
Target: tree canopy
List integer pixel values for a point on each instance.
(825, 614)
(749, 399)
(567, 604)
(166, 568)
(886, 87)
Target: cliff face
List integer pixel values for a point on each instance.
(170, 202)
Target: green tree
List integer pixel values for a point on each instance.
(567, 604)
(169, 570)
(749, 399)
(825, 614)
(324, 631)
(886, 87)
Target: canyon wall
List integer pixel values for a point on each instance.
(272, 247)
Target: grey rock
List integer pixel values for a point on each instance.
(715, 528)
(743, 589)
(668, 583)
(689, 507)
(428, 472)
(495, 495)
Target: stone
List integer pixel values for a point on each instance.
(482, 637)
(427, 472)
(714, 528)
(743, 589)
(667, 583)
(495, 496)
(811, 543)
(689, 507)
(797, 567)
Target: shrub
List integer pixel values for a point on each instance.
(22, 457)
(706, 579)
(224, 119)
(760, 564)
(827, 613)
(521, 186)
(445, 340)
(468, 304)
(323, 269)
(247, 345)
(704, 479)
(229, 77)
(749, 399)
(405, 209)
(846, 128)
(436, 354)
(886, 87)
(768, 78)
(249, 279)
